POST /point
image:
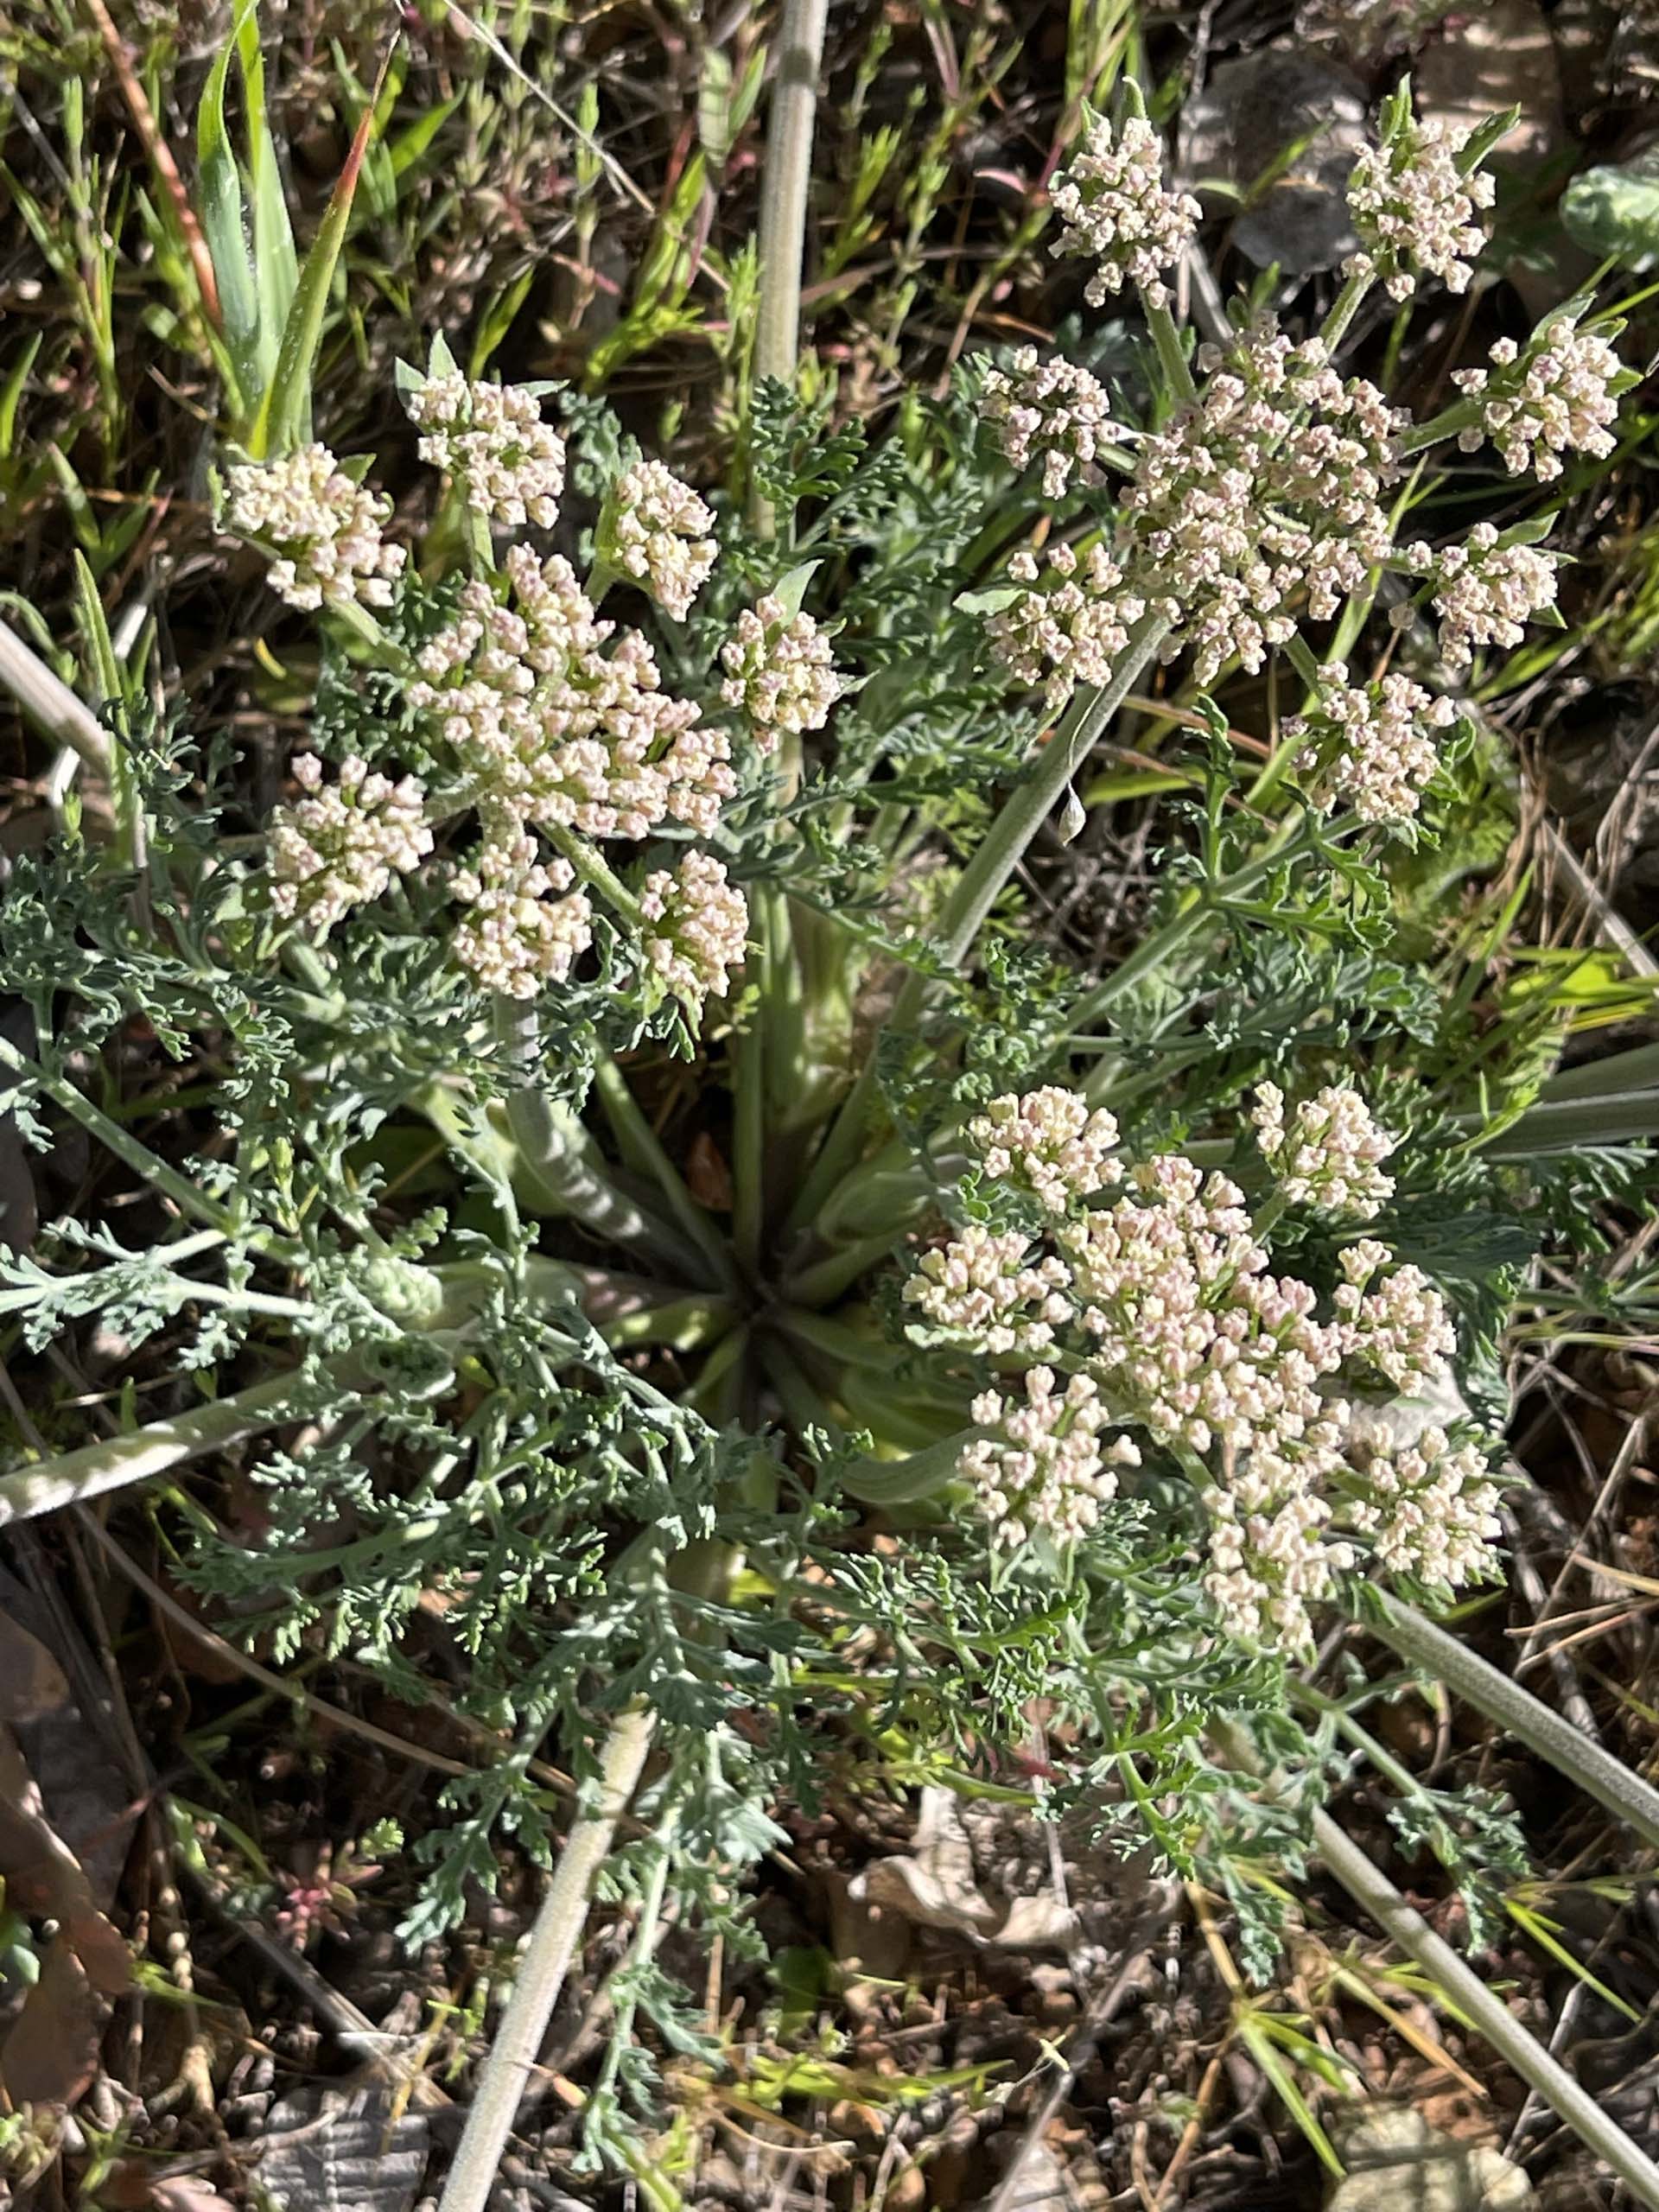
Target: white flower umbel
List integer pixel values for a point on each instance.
(1052, 408)
(1483, 591)
(1270, 1556)
(519, 935)
(323, 530)
(984, 1288)
(1045, 1469)
(1555, 397)
(1394, 1326)
(654, 529)
(1048, 1143)
(1370, 745)
(1415, 210)
(1329, 1155)
(1069, 627)
(1117, 213)
(1430, 1510)
(700, 926)
(779, 673)
(508, 462)
(552, 729)
(1264, 496)
(1191, 1336)
(340, 845)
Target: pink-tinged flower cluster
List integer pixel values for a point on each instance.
(1047, 1143)
(1189, 1334)
(548, 729)
(340, 845)
(1555, 397)
(1329, 1155)
(1069, 627)
(1044, 1469)
(1370, 745)
(700, 927)
(1052, 408)
(519, 935)
(1264, 496)
(1415, 211)
(491, 440)
(323, 529)
(1430, 1511)
(982, 1288)
(1394, 1325)
(1271, 1553)
(654, 530)
(1485, 591)
(1118, 213)
(1162, 1309)
(779, 672)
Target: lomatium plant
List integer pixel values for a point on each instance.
(712, 1280)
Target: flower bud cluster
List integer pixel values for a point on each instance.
(779, 672)
(1266, 491)
(654, 530)
(1047, 1143)
(1044, 1469)
(491, 440)
(548, 729)
(702, 925)
(1069, 627)
(1271, 1557)
(519, 935)
(1370, 745)
(1117, 213)
(1555, 397)
(1430, 1511)
(1415, 210)
(982, 1288)
(1052, 408)
(324, 530)
(1394, 1326)
(1484, 591)
(1329, 1155)
(340, 845)
(1163, 1308)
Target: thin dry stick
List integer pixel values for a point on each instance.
(75, 1477)
(50, 703)
(1566, 2097)
(541, 1972)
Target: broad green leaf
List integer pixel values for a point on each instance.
(1615, 211)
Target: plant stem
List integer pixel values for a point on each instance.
(594, 870)
(154, 1171)
(1614, 1786)
(1004, 847)
(115, 1461)
(1343, 309)
(782, 229)
(50, 705)
(1166, 339)
(559, 1153)
(541, 1973)
(636, 1136)
(899, 1482)
(1570, 2101)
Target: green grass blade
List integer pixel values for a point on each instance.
(275, 262)
(223, 217)
(285, 413)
